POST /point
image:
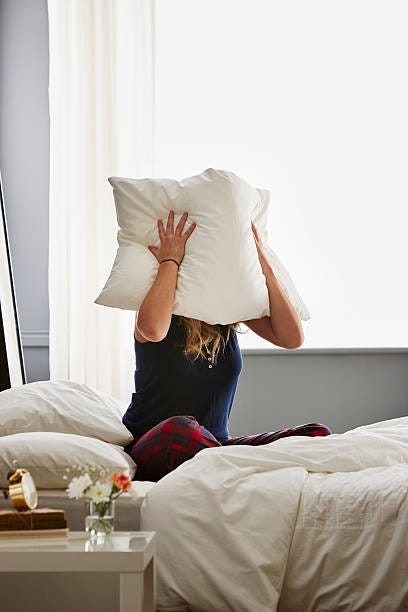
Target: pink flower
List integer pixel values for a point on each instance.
(122, 481)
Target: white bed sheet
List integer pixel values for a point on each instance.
(303, 523)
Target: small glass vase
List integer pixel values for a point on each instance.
(99, 519)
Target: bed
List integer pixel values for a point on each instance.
(301, 524)
(304, 523)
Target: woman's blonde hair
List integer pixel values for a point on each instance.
(200, 334)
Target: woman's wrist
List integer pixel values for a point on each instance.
(169, 260)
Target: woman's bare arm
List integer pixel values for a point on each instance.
(285, 325)
(154, 316)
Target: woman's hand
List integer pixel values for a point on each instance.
(154, 316)
(263, 260)
(172, 242)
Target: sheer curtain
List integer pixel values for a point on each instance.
(101, 96)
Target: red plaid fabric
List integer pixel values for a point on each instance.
(179, 438)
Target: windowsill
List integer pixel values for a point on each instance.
(259, 352)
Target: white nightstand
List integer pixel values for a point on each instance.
(130, 554)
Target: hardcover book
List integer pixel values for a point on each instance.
(39, 518)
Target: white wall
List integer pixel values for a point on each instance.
(342, 389)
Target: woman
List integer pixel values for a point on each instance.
(187, 370)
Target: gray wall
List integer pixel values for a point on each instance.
(340, 388)
(24, 163)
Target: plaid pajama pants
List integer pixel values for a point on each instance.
(179, 438)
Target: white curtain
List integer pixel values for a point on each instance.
(101, 96)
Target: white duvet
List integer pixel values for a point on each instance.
(300, 524)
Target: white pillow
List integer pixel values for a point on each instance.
(220, 279)
(63, 406)
(47, 454)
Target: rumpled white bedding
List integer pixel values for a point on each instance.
(300, 524)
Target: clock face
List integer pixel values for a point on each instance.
(29, 490)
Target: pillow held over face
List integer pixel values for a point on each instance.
(220, 279)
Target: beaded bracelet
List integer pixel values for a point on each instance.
(178, 265)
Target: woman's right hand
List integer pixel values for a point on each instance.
(172, 242)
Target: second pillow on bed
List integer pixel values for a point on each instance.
(63, 406)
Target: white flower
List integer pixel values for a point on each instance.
(100, 492)
(77, 486)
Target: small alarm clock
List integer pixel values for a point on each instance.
(22, 489)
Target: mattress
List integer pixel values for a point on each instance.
(127, 506)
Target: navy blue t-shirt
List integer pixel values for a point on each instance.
(167, 383)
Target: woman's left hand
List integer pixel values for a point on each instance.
(259, 246)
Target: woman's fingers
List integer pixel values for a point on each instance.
(255, 231)
(170, 222)
(179, 228)
(190, 230)
(154, 250)
(181, 223)
(161, 230)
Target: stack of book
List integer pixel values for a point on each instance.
(40, 522)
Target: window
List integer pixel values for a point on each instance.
(307, 99)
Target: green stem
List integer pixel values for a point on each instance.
(101, 524)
